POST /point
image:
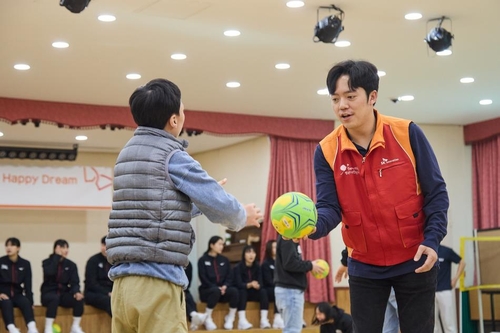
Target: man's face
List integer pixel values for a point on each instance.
(103, 249)
(352, 107)
(11, 249)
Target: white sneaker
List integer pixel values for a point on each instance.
(209, 324)
(243, 324)
(264, 323)
(48, 330)
(228, 322)
(198, 318)
(33, 331)
(14, 330)
(193, 327)
(76, 329)
(278, 321)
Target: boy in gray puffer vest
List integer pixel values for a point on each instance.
(158, 187)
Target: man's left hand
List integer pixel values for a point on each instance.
(429, 262)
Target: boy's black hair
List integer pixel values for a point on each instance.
(13, 241)
(103, 240)
(153, 104)
(362, 74)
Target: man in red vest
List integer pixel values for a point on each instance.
(379, 176)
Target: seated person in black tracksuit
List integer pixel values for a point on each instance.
(267, 269)
(214, 271)
(332, 319)
(248, 280)
(98, 286)
(61, 286)
(192, 315)
(15, 287)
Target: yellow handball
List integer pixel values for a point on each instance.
(294, 215)
(56, 328)
(326, 269)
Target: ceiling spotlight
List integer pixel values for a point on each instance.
(60, 45)
(295, 4)
(467, 80)
(329, 28)
(1, 134)
(485, 102)
(439, 39)
(232, 33)
(381, 73)
(282, 66)
(444, 53)
(81, 137)
(178, 56)
(106, 18)
(322, 91)
(413, 16)
(22, 67)
(133, 76)
(342, 43)
(233, 84)
(74, 6)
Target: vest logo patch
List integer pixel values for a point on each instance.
(388, 161)
(5, 267)
(207, 263)
(101, 265)
(348, 170)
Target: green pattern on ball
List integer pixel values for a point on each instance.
(294, 215)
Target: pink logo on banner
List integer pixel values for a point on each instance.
(91, 175)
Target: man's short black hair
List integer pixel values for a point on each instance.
(103, 240)
(362, 74)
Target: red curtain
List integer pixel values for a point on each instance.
(486, 183)
(292, 170)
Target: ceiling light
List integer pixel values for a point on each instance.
(467, 80)
(106, 18)
(329, 28)
(485, 101)
(295, 4)
(381, 73)
(322, 91)
(413, 16)
(81, 137)
(60, 45)
(232, 33)
(233, 84)
(439, 39)
(178, 56)
(1, 133)
(22, 67)
(444, 53)
(282, 66)
(74, 6)
(133, 76)
(406, 98)
(342, 43)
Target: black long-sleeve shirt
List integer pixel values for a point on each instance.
(214, 271)
(242, 274)
(267, 269)
(96, 275)
(59, 276)
(16, 277)
(290, 269)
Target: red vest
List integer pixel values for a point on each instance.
(379, 194)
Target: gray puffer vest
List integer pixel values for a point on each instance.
(150, 219)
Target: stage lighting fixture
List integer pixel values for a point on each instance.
(329, 28)
(439, 39)
(74, 6)
(39, 153)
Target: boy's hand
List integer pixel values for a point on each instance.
(222, 182)
(317, 269)
(254, 216)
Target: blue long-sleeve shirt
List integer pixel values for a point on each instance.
(433, 188)
(208, 197)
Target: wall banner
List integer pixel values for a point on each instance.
(78, 187)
